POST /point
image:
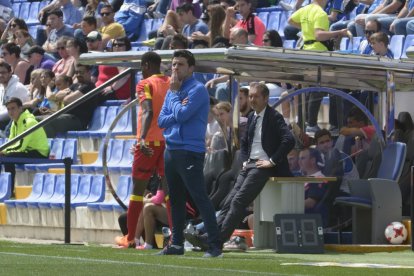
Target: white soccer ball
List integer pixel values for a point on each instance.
(395, 233)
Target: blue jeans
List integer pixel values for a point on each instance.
(184, 171)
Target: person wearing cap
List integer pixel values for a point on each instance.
(36, 57)
(94, 41)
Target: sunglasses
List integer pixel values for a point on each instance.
(91, 40)
(13, 25)
(61, 48)
(105, 13)
(368, 32)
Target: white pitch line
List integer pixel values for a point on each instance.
(137, 263)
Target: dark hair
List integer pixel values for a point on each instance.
(220, 42)
(91, 20)
(4, 64)
(263, 88)
(12, 48)
(107, 7)
(185, 7)
(404, 118)
(14, 100)
(314, 153)
(151, 58)
(87, 67)
(21, 23)
(379, 26)
(185, 54)
(49, 73)
(356, 114)
(181, 40)
(322, 132)
(244, 91)
(275, 39)
(66, 79)
(380, 37)
(58, 13)
(125, 40)
(79, 44)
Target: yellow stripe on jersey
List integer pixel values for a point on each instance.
(136, 198)
(147, 92)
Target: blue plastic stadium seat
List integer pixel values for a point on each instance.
(16, 9)
(409, 41)
(109, 118)
(84, 191)
(264, 17)
(123, 190)
(113, 102)
(344, 44)
(97, 123)
(97, 193)
(90, 168)
(124, 125)
(146, 27)
(284, 16)
(396, 43)
(37, 189)
(34, 11)
(273, 22)
(48, 191)
(354, 46)
(24, 10)
(58, 195)
(156, 24)
(5, 186)
(289, 44)
(127, 158)
(80, 188)
(115, 157)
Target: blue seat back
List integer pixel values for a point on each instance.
(24, 10)
(156, 23)
(98, 118)
(98, 161)
(48, 187)
(409, 40)
(355, 43)
(396, 44)
(110, 116)
(283, 21)
(116, 151)
(84, 188)
(264, 17)
(123, 122)
(34, 11)
(289, 44)
(16, 9)
(74, 185)
(57, 148)
(97, 189)
(59, 188)
(5, 186)
(123, 187)
(37, 187)
(344, 44)
(71, 149)
(392, 162)
(273, 21)
(127, 157)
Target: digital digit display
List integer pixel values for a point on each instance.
(298, 233)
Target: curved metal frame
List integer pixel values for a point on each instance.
(341, 94)
(105, 149)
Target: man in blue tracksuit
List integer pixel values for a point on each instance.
(184, 119)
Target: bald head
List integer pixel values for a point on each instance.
(238, 36)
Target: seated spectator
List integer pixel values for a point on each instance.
(24, 40)
(221, 139)
(110, 29)
(75, 48)
(310, 162)
(34, 145)
(71, 14)
(36, 92)
(191, 22)
(251, 23)
(272, 38)
(397, 25)
(57, 30)
(79, 117)
(62, 82)
(178, 41)
(293, 160)
(372, 26)
(217, 16)
(20, 67)
(64, 66)
(379, 43)
(338, 163)
(121, 89)
(358, 128)
(87, 25)
(47, 81)
(12, 27)
(38, 59)
(94, 42)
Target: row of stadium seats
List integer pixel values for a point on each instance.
(5, 186)
(28, 11)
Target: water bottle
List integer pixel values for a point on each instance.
(166, 233)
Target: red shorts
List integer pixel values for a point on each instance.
(144, 166)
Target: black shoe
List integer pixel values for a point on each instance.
(213, 253)
(197, 240)
(172, 250)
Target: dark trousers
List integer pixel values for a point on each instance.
(184, 170)
(248, 185)
(62, 124)
(10, 167)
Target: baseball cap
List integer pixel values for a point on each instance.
(35, 49)
(94, 36)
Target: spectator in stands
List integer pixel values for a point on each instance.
(79, 117)
(94, 42)
(57, 30)
(148, 154)
(14, 25)
(263, 149)
(110, 29)
(293, 160)
(185, 111)
(72, 16)
(24, 40)
(64, 66)
(37, 58)
(75, 48)
(239, 36)
(87, 25)
(20, 67)
(34, 145)
(372, 26)
(178, 41)
(36, 91)
(121, 89)
(217, 17)
(388, 8)
(397, 25)
(314, 23)
(311, 163)
(170, 26)
(62, 82)
(251, 23)
(191, 23)
(272, 38)
(46, 106)
(379, 43)
(221, 139)
(337, 163)
(358, 128)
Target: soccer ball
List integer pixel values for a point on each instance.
(395, 233)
